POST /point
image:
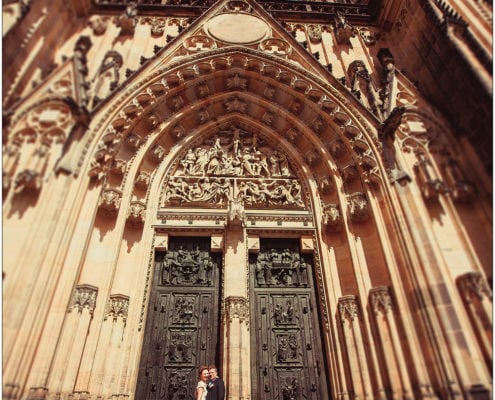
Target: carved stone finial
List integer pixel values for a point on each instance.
(314, 33)
(461, 189)
(325, 184)
(137, 214)
(27, 180)
(157, 153)
(109, 202)
(142, 180)
(343, 30)
(127, 21)
(429, 182)
(313, 156)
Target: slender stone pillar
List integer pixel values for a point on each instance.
(66, 363)
(478, 299)
(116, 315)
(395, 363)
(349, 316)
(111, 333)
(237, 340)
(236, 359)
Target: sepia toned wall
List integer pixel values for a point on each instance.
(386, 190)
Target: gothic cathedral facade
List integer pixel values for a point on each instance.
(298, 192)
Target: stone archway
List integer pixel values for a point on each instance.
(143, 159)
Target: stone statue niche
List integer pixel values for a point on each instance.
(280, 264)
(234, 164)
(188, 262)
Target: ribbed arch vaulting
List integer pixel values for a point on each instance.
(173, 109)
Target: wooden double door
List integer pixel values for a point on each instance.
(183, 323)
(286, 346)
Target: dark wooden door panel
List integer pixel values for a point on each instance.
(182, 323)
(288, 357)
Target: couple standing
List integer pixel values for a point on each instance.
(210, 385)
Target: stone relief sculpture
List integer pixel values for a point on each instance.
(237, 165)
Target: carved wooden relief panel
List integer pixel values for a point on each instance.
(182, 322)
(286, 343)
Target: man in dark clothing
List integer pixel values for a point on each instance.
(216, 387)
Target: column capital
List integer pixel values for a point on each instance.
(473, 284)
(348, 308)
(84, 296)
(237, 307)
(380, 299)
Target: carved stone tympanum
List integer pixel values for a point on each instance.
(237, 165)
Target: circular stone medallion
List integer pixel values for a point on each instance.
(237, 28)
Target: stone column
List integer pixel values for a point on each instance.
(354, 346)
(396, 367)
(70, 349)
(478, 300)
(236, 359)
(108, 355)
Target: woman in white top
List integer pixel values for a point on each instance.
(201, 389)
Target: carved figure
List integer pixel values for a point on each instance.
(183, 311)
(107, 77)
(188, 162)
(291, 390)
(177, 388)
(180, 347)
(186, 266)
(283, 349)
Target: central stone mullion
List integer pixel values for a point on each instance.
(236, 339)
